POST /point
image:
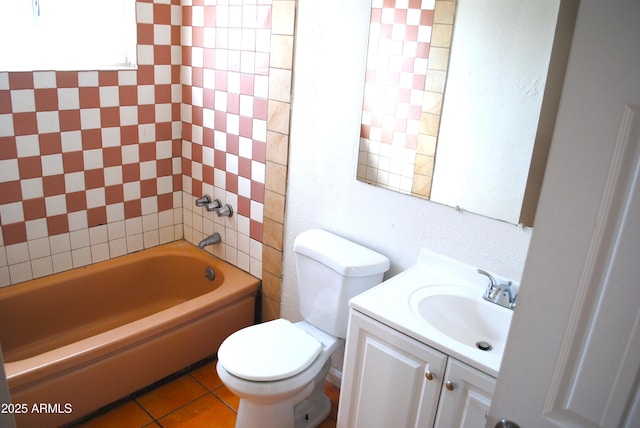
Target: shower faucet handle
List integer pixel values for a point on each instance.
(225, 211)
(204, 200)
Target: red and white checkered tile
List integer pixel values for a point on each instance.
(82, 154)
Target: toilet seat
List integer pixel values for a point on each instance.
(269, 351)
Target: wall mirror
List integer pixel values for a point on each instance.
(460, 100)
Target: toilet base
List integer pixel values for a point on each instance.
(305, 410)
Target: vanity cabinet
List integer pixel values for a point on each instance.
(390, 379)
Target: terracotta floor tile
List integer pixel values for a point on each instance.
(171, 396)
(206, 411)
(208, 376)
(228, 397)
(333, 392)
(127, 415)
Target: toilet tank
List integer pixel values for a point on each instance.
(331, 270)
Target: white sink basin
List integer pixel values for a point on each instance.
(460, 313)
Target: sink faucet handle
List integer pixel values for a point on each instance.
(492, 281)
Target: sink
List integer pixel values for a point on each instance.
(461, 314)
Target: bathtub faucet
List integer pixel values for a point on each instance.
(210, 240)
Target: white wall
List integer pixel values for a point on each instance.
(331, 39)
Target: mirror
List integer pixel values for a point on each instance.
(480, 145)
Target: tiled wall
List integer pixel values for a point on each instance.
(90, 160)
(94, 165)
(236, 84)
(409, 44)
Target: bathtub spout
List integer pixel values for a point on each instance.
(210, 240)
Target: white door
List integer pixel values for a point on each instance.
(573, 356)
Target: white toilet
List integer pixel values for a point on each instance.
(278, 368)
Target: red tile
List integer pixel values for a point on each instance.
(219, 160)
(107, 78)
(146, 113)
(73, 162)
(196, 187)
(110, 117)
(30, 167)
(145, 34)
(177, 183)
(164, 167)
(255, 230)
(162, 94)
(165, 202)
(232, 182)
(220, 121)
(259, 151)
(257, 192)
(162, 54)
(66, 79)
(57, 224)
(132, 209)
(186, 167)
(14, 233)
(244, 167)
(94, 178)
(8, 149)
(244, 206)
(76, 201)
(5, 102)
(400, 16)
(96, 216)
(53, 185)
(422, 50)
(128, 95)
(69, 120)
(50, 143)
(187, 54)
(114, 194)
(260, 108)
(196, 153)
(129, 135)
(209, 60)
(176, 35)
(162, 14)
(46, 99)
(197, 36)
(233, 144)
(164, 131)
(197, 115)
(34, 209)
(10, 191)
(146, 75)
(25, 123)
(89, 97)
(197, 77)
(21, 80)
(426, 17)
(147, 151)
(207, 174)
(149, 188)
(112, 156)
(130, 172)
(91, 139)
(246, 126)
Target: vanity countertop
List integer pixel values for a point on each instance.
(390, 303)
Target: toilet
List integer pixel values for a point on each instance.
(278, 368)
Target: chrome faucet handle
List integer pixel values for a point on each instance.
(225, 211)
(492, 281)
(204, 200)
(213, 205)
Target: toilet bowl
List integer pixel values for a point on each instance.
(278, 368)
(281, 385)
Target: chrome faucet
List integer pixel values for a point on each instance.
(500, 294)
(210, 240)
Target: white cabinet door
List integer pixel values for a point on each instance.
(466, 397)
(386, 378)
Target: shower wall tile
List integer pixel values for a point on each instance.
(82, 151)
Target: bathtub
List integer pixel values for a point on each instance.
(78, 340)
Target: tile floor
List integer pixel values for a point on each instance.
(194, 398)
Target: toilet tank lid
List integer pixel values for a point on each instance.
(343, 256)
